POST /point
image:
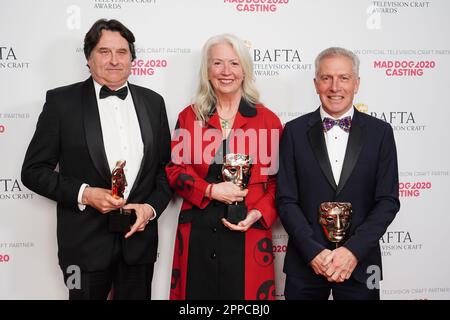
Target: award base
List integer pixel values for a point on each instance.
(120, 221)
(236, 212)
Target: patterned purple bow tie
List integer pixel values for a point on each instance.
(344, 123)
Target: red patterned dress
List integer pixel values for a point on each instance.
(211, 261)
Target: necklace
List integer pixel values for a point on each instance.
(225, 123)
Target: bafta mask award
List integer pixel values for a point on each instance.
(335, 218)
(120, 220)
(236, 169)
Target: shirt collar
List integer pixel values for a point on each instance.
(324, 114)
(98, 86)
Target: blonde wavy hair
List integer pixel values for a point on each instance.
(205, 96)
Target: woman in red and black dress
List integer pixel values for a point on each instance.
(214, 258)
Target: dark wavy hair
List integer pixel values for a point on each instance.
(93, 35)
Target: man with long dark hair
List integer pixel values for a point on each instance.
(85, 128)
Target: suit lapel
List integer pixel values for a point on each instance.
(354, 147)
(246, 111)
(93, 130)
(146, 131)
(317, 142)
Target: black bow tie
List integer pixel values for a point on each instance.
(105, 92)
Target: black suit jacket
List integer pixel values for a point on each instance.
(369, 180)
(69, 133)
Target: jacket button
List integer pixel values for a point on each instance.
(213, 255)
(214, 229)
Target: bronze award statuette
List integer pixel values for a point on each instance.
(119, 220)
(236, 168)
(335, 218)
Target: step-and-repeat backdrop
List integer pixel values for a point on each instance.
(404, 49)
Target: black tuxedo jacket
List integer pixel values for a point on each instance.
(369, 180)
(69, 134)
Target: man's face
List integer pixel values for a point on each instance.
(110, 60)
(336, 84)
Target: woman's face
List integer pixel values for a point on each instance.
(224, 70)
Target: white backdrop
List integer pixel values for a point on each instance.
(405, 71)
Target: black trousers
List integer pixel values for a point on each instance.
(318, 288)
(119, 281)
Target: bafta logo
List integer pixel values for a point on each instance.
(120, 220)
(335, 218)
(236, 169)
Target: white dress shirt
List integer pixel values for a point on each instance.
(336, 140)
(121, 136)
